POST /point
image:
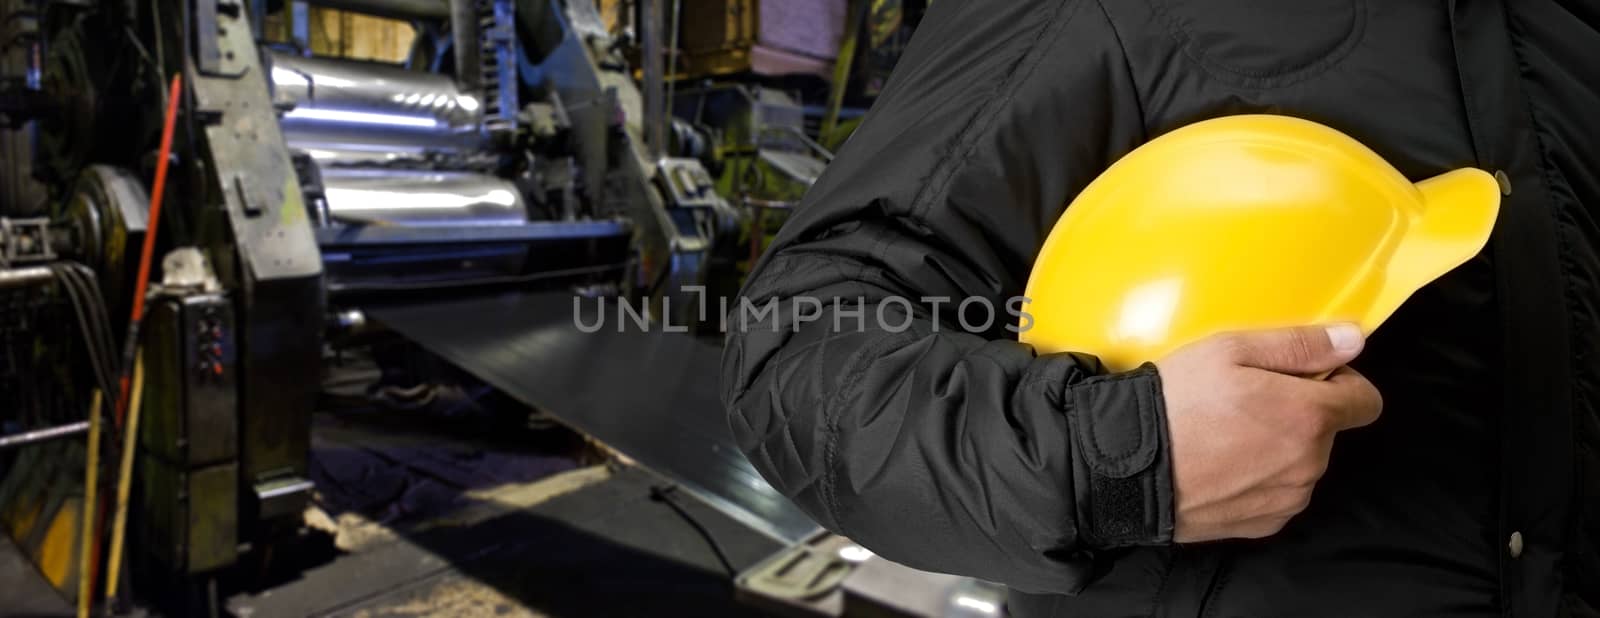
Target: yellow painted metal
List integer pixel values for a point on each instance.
(86, 529)
(41, 511)
(55, 553)
(1245, 222)
(130, 441)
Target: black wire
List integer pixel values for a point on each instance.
(151, 64)
(94, 301)
(100, 318)
(83, 320)
(99, 322)
(663, 493)
(98, 354)
(81, 310)
(101, 309)
(159, 40)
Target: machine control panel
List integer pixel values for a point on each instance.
(191, 395)
(210, 344)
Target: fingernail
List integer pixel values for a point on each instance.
(1345, 337)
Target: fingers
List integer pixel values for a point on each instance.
(1345, 400)
(1356, 402)
(1301, 351)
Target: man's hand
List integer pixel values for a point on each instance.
(1250, 432)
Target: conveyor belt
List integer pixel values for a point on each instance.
(652, 396)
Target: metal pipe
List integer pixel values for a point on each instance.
(392, 197)
(773, 204)
(18, 277)
(398, 9)
(466, 45)
(43, 435)
(655, 120)
(88, 518)
(258, 18)
(672, 48)
(858, 10)
(284, 489)
(299, 26)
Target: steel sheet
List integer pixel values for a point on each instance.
(650, 395)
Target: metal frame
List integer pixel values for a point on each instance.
(269, 258)
(331, 238)
(25, 240)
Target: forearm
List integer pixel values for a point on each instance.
(945, 450)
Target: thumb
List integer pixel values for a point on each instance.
(1301, 351)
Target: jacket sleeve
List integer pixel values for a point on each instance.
(862, 386)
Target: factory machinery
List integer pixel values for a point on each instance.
(515, 150)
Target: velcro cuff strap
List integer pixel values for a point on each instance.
(1123, 472)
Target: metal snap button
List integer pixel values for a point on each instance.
(1504, 180)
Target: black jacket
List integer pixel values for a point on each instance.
(966, 453)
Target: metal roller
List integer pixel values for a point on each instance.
(397, 9)
(420, 197)
(345, 112)
(425, 202)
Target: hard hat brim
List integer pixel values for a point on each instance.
(1458, 215)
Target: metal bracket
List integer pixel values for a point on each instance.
(24, 240)
(804, 571)
(251, 209)
(300, 25)
(270, 263)
(214, 55)
(206, 54)
(687, 183)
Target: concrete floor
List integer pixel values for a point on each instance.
(591, 542)
(23, 591)
(469, 506)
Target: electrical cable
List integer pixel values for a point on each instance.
(664, 493)
(155, 67)
(95, 362)
(89, 306)
(99, 353)
(155, 33)
(98, 305)
(99, 319)
(89, 286)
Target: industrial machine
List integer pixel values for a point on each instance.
(753, 139)
(515, 149)
(197, 215)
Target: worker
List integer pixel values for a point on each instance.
(1223, 479)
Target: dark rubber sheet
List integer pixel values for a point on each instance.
(650, 395)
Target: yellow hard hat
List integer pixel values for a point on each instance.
(1245, 222)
